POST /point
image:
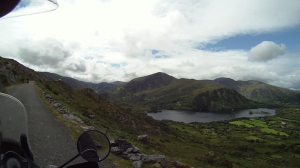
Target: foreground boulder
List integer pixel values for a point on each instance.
(127, 150)
(161, 159)
(143, 139)
(137, 164)
(176, 164)
(86, 128)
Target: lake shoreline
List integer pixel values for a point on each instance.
(205, 117)
(219, 111)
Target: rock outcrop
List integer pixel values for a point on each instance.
(12, 72)
(161, 159)
(8, 75)
(137, 164)
(127, 150)
(66, 114)
(176, 164)
(143, 138)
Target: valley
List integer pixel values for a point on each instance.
(270, 141)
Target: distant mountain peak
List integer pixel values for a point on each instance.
(76, 84)
(224, 78)
(117, 83)
(160, 74)
(228, 82)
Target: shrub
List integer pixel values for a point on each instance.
(48, 87)
(297, 149)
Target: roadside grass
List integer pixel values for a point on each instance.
(86, 105)
(118, 161)
(4, 90)
(175, 149)
(75, 132)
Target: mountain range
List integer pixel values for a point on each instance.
(161, 90)
(258, 91)
(76, 84)
(254, 90)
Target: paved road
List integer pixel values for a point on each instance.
(50, 141)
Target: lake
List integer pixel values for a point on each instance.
(188, 116)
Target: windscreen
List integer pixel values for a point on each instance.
(31, 7)
(13, 118)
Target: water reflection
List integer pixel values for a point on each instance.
(188, 116)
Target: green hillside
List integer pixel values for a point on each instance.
(161, 91)
(265, 92)
(260, 91)
(76, 84)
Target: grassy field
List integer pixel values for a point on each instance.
(239, 123)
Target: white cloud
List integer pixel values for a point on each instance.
(265, 51)
(48, 52)
(113, 39)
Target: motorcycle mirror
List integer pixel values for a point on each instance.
(93, 146)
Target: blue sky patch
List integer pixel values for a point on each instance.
(22, 4)
(115, 65)
(289, 37)
(161, 56)
(155, 52)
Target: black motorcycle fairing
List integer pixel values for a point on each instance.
(85, 164)
(13, 129)
(25, 146)
(12, 159)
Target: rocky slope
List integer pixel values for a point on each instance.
(12, 72)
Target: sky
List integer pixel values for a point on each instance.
(116, 40)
